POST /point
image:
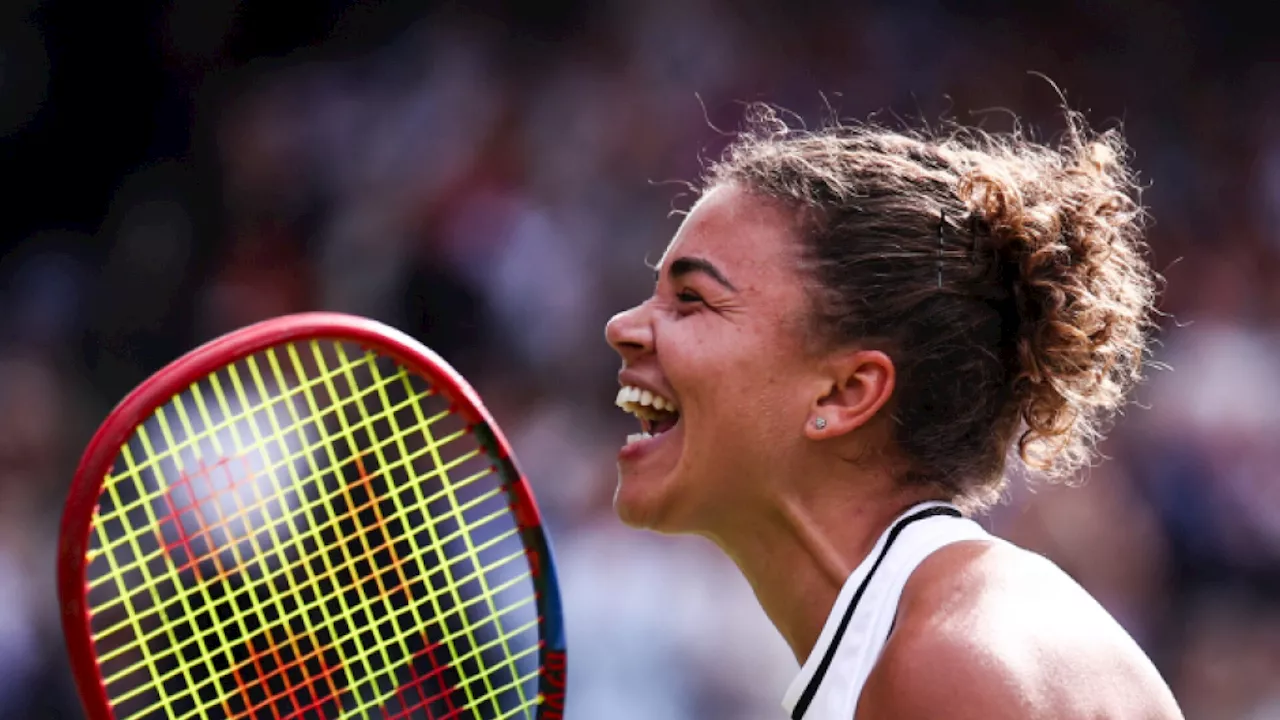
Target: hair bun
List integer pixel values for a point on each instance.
(1066, 226)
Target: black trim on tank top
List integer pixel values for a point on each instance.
(811, 689)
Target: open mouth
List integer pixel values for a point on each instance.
(657, 414)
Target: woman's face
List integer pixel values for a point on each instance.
(723, 340)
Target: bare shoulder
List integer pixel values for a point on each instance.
(987, 630)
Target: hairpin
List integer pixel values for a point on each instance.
(942, 222)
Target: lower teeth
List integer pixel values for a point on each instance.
(637, 437)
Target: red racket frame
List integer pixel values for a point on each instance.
(160, 388)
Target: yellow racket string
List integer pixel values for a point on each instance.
(450, 640)
(302, 610)
(261, 502)
(286, 461)
(316, 555)
(486, 591)
(299, 389)
(231, 600)
(214, 429)
(346, 613)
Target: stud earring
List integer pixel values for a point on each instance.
(820, 423)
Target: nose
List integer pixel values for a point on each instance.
(630, 333)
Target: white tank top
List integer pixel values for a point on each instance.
(831, 679)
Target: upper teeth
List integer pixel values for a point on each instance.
(644, 403)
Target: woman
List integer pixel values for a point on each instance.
(849, 333)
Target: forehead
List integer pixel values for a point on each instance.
(750, 239)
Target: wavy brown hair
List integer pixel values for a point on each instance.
(1006, 278)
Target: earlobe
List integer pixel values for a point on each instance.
(861, 383)
(816, 428)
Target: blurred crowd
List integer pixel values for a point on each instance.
(494, 183)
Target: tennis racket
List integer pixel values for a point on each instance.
(311, 517)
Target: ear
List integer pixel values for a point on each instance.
(859, 384)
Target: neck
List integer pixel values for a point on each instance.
(798, 552)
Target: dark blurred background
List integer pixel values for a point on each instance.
(491, 178)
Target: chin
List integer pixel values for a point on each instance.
(650, 481)
(651, 503)
(639, 507)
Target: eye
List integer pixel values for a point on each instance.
(689, 296)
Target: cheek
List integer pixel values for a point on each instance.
(738, 384)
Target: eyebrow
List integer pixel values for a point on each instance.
(683, 266)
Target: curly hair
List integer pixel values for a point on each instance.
(1007, 279)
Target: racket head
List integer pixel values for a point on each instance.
(86, 497)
